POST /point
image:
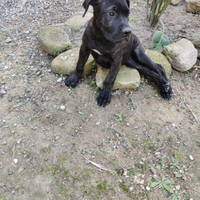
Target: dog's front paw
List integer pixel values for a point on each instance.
(72, 80)
(166, 92)
(104, 98)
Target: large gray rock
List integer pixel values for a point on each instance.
(55, 39)
(66, 62)
(77, 21)
(159, 58)
(175, 2)
(126, 78)
(195, 39)
(193, 6)
(182, 55)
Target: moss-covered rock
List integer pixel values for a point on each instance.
(126, 78)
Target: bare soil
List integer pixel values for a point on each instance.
(44, 150)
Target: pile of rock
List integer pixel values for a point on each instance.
(55, 39)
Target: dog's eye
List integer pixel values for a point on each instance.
(111, 13)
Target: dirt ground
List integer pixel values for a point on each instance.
(56, 143)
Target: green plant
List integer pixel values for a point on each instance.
(2, 197)
(120, 117)
(163, 184)
(149, 146)
(160, 39)
(135, 143)
(92, 83)
(175, 195)
(157, 9)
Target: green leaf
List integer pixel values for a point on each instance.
(169, 181)
(168, 188)
(153, 184)
(178, 175)
(159, 41)
(173, 159)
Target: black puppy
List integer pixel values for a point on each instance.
(109, 39)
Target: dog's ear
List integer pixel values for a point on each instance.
(128, 3)
(86, 4)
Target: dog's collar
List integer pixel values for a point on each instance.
(97, 51)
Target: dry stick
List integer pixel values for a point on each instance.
(97, 165)
(193, 114)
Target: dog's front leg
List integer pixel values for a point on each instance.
(73, 79)
(105, 95)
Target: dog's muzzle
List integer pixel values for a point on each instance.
(126, 31)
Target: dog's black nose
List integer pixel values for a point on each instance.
(126, 30)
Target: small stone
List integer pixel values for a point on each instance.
(59, 80)
(141, 182)
(178, 187)
(4, 143)
(148, 188)
(153, 170)
(9, 40)
(57, 137)
(131, 188)
(69, 111)
(15, 161)
(191, 157)
(98, 123)
(124, 145)
(62, 107)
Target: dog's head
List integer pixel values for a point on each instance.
(111, 16)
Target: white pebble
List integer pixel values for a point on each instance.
(15, 161)
(62, 107)
(178, 187)
(191, 157)
(148, 188)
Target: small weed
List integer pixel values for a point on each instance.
(92, 153)
(120, 117)
(175, 195)
(149, 146)
(2, 197)
(26, 154)
(168, 53)
(142, 166)
(163, 184)
(94, 66)
(92, 83)
(130, 171)
(135, 143)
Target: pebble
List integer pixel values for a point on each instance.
(191, 157)
(153, 170)
(59, 80)
(62, 107)
(15, 161)
(131, 188)
(178, 187)
(4, 143)
(69, 111)
(98, 123)
(124, 145)
(148, 188)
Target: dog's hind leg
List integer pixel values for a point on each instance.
(73, 79)
(157, 76)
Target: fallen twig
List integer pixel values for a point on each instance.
(97, 165)
(193, 114)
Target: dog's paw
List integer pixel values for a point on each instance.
(72, 80)
(104, 98)
(166, 93)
